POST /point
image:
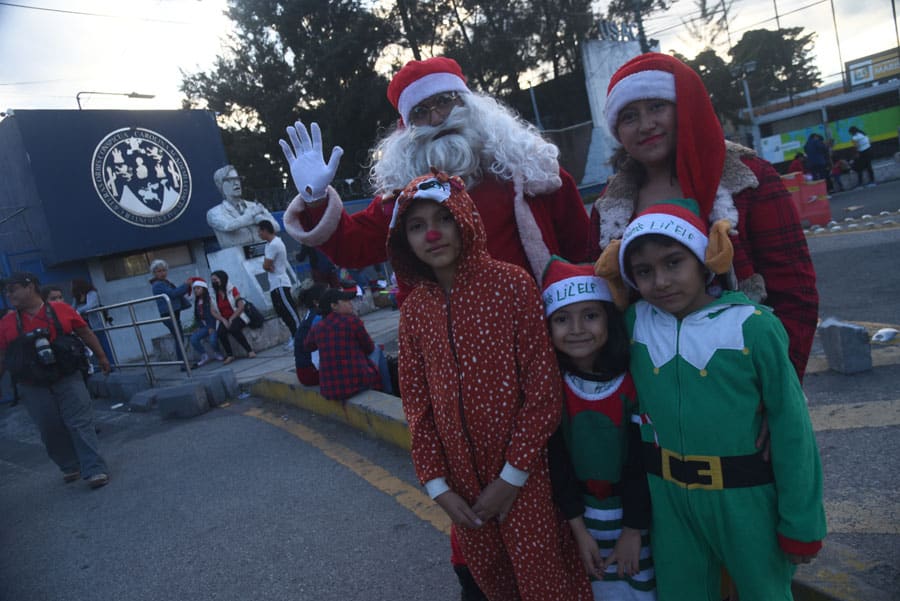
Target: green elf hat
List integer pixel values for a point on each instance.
(565, 283)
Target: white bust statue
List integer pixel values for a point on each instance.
(234, 219)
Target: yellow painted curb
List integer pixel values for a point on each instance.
(370, 411)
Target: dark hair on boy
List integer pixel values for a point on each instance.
(642, 241)
(266, 226)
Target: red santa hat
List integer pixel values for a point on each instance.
(566, 283)
(700, 151)
(418, 80)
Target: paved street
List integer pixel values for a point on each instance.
(223, 506)
(260, 501)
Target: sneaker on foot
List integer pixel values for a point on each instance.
(290, 345)
(228, 360)
(71, 476)
(219, 357)
(98, 480)
(204, 359)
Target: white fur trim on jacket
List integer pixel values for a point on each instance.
(616, 206)
(326, 226)
(529, 233)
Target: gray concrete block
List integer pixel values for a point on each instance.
(144, 400)
(124, 385)
(185, 400)
(229, 380)
(214, 384)
(846, 346)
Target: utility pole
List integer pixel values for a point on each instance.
(787, 63)
(837, 39)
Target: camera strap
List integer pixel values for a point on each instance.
(50, 314)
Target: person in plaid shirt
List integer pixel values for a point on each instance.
(673, 147)
(344, 347)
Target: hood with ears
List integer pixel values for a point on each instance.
(450, 192)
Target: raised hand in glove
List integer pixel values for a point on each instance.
(307, 161)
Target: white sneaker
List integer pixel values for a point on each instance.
(204, 359)
(290, 345)
(219, 357)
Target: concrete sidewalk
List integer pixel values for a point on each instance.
(839, 573)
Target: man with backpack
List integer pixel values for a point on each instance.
(42, 346)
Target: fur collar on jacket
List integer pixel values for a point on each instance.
(616, 206)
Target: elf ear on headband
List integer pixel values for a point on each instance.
(607, 267)
(719, 251)
(718, 257)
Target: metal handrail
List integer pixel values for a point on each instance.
(136, 325)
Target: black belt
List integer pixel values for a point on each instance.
(707, 471)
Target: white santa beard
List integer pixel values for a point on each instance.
(488, 139)
(413, 151)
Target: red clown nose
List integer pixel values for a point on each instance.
(432, 236)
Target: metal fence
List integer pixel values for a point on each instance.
(135, 324)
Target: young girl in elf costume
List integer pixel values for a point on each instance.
(609, 511)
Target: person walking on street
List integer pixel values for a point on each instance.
(276, 266)
(863, 160)
(46, 361)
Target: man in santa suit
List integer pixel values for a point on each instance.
(530, 206)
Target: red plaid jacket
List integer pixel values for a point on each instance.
(344, 347)
(770, 243)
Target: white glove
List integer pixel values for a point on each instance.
(307, 161)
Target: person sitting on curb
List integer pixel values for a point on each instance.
(344, 347)
(206, 323)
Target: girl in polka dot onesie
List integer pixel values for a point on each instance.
(481, 393)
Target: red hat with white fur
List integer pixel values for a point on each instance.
(700, 151)
(566, 283)
(418, 80)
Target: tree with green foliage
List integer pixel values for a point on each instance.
(784, 65)
(303, 59)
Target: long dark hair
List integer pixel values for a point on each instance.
(222, 286)
(80, 288)
(613, 358)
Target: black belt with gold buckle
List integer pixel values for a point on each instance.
(707, 471)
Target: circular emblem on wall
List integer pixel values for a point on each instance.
(141, 177)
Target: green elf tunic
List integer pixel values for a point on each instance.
(700, 382)
(596, 426)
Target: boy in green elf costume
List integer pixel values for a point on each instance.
(703, 366)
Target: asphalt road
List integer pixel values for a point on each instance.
(222, 506)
